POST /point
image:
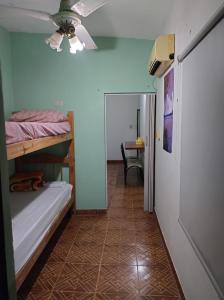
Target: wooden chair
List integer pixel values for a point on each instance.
(130, 163)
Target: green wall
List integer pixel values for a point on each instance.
(6, 100)
(41, 77)
(6, 70)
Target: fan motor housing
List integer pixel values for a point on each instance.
(66, 17)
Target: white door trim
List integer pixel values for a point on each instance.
(149, 153)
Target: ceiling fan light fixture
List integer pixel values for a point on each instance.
(55, 41)
(75, 45)
(67, 19)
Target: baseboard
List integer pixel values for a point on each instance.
(115, 161)
(90, 212)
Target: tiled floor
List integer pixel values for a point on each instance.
(120, 255)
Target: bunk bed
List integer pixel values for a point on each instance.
(36, 216)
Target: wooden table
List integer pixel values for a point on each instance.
(133, 146)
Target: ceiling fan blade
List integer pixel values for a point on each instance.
(85, 37)
(86, 7)
(11, 11)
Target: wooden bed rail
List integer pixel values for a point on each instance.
(43, 158)
(71, 157)
(22, 148)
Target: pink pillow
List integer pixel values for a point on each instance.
(42, 116)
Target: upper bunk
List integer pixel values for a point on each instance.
(18, 149)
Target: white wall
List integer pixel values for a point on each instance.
(186, 19)
(121, 122)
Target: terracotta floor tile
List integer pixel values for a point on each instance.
(143, 226)
(121, 224)
(108, 281)
(116, 296)
(121, 203)
(42, 278)
(111, 255)
(128, 225)
(159, 298)
(47, 277)
(77, 278)
(93, 254)
(140, 214)
(119, 255)
(85, 253)
(138, 204)
(35, 295)
(127, 255)
(86, 222)
(84, 236)
(68, 236)
(90, 236)
(120, 213)
(147, 255)
(118, 279)
(77, 252)
(113, 237)
(60, 252)
(128, 237)
(149, 238)
(157, 280)
(101, 225)
(71, 296)
(114, 224)
(120, 236)
(128, 279)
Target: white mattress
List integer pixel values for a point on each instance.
(32, 215)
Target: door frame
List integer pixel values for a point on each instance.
(149, 203)
(149, 155)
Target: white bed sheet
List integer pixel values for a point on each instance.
(32, 214)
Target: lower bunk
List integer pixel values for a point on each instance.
(35, 217)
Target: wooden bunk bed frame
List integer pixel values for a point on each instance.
(22, 148)
(18, 150)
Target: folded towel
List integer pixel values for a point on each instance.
(21, 186)
(18, 177)
(27, 181)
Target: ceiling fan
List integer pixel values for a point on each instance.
(68, 21)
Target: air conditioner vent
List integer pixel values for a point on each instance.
(162, 55)
(154, 66)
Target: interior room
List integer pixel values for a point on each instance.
(122, 120)
(111, 161)
(129, 122)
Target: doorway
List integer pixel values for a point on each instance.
(127, 117)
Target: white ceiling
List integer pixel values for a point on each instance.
(119, 18)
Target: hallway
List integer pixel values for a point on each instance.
(119, 255)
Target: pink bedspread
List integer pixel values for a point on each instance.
(42, 116)
(23, 131)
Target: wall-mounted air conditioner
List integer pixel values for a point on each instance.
(162, 55)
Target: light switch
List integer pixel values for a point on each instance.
(59, 102)
(157, 135)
